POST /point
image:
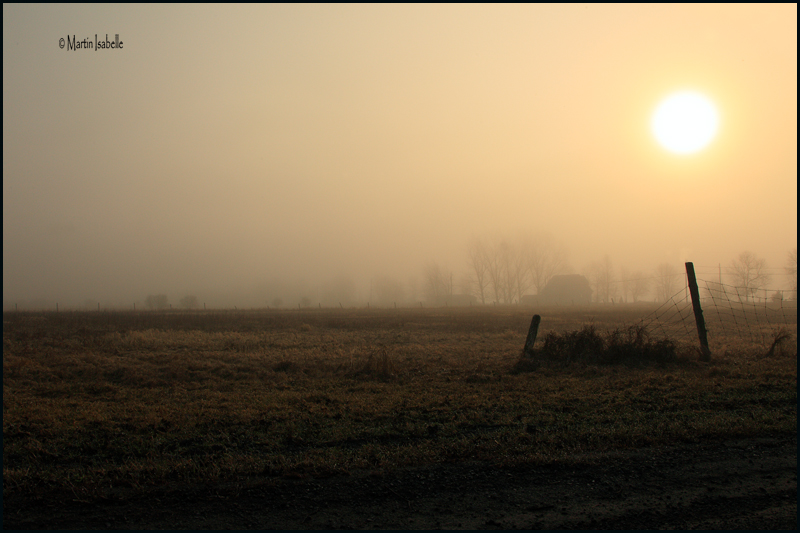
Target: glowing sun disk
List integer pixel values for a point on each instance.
(685, 122)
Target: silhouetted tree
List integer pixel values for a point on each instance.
(667, 281)
(625, 283)
(498, 269)
(640, 285)
(509, 268)
(749, 272)
(505, 268)
(601, 276)
(437, 282)
(478, 264)
(791, 270)
(545, 260)
(519, 270)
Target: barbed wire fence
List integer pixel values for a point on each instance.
(732, 315)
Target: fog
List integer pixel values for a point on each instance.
(248, 154)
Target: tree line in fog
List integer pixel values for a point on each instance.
(495, 270)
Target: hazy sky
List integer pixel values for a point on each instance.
(224, 147)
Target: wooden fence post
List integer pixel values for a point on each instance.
(705, 352)
(532, 332)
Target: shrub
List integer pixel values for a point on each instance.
(620, 346)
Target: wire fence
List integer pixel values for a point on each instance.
(732, 315)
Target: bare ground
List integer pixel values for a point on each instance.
(730, 484)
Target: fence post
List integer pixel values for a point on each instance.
(532, 332)
(705, 353)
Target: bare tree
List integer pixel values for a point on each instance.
(509, 268)
(478, 264)
(640, 285)
(486, 262)
(791, 270)
(496, 253)
(601, 276)
(466, 285)
(749, 272)
(438, 282)
(518, 271)
(625, 283)
(667, 281)
(632, 284)
(545, 259)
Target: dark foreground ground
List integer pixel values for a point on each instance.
(732, 484)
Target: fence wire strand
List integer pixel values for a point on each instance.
(731, 314)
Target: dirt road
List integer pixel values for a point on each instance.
(734, 484)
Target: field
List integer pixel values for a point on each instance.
(127, 407)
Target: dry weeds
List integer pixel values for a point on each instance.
(112, 404)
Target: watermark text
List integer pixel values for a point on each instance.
(72, 43)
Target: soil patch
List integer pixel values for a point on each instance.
(729, 484)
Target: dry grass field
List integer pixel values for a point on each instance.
(100, 406)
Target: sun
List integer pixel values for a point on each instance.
(685, 122)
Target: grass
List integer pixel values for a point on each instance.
(102, 405)
(631, 346)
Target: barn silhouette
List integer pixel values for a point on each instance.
(567, 289)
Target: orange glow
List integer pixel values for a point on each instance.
(226, 147)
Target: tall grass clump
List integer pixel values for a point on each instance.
(629, 346)
(379, 365)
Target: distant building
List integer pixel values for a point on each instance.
(568, 289)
